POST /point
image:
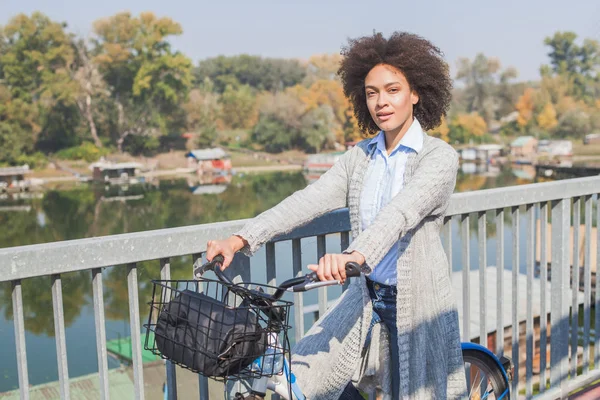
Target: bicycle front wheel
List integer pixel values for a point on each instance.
(485, 378)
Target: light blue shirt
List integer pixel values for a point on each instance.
(384, 179)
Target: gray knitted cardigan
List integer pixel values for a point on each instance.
(331, 353)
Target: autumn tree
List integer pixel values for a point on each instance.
(546, 120)
(525, 106)
(467, 127)
(441, 131)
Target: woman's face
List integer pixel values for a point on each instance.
(389, 98)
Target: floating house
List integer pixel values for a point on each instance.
(214, 160)
(13, 178)
(126, 172)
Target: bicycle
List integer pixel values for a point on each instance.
(227, 331)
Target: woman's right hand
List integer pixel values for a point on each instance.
(227, 248)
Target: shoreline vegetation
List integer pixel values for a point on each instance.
(173, 163)
(127, 90)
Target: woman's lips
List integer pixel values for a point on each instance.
(384, 117)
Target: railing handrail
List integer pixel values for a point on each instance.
(514, 196)
(83, 254)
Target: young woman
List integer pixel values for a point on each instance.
(397, 185)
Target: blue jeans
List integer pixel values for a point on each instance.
(383, 298)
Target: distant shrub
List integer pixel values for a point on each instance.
(86, 151)
(34, 161)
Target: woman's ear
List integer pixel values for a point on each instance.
(414, 97)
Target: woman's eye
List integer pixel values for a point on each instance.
(370, 94)
(393, 90)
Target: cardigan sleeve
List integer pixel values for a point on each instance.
(426, 194)
(328, 193)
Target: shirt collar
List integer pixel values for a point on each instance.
(413, 139)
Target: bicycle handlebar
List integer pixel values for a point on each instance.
(299, 284)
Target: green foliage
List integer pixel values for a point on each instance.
(35, 54)
(86, 151)
(149, 80)
(238, 107)
(128, 88)
(259, 73)
(273, 134)
(574, 123)
(36, 160)
(142, 145)
(61, 128)
(316, 129)
(488, 90)
(579, 62)
(207, 136)
(13, 142)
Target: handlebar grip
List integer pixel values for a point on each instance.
(352, 269)
(218, 259)
(215, 266)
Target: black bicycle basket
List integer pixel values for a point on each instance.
(217, 329)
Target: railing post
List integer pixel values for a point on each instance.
(98, 293)
(59, 333)
(134, 322)
(559, 318)
(171, 371)
(19, 321)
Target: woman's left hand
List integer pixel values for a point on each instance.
(333, 266)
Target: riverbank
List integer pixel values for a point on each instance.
(173, 163)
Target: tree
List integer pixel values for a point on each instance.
(149, 81)
(286, 122)
(322, 67)
(579, 63)
(17, 127)
(329, 93)
(238, 107)
(203, 110)
(480, 77)
(467, 127)
(547, 118)
(507, 92)
(280, 121)
(317, 131)
(441, 131)
(259, 73)
(91, 87)
(575, 123)
(35, 54)
(525, 107)
(273, 133)
(35, 57)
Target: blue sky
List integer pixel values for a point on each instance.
(511, 30)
